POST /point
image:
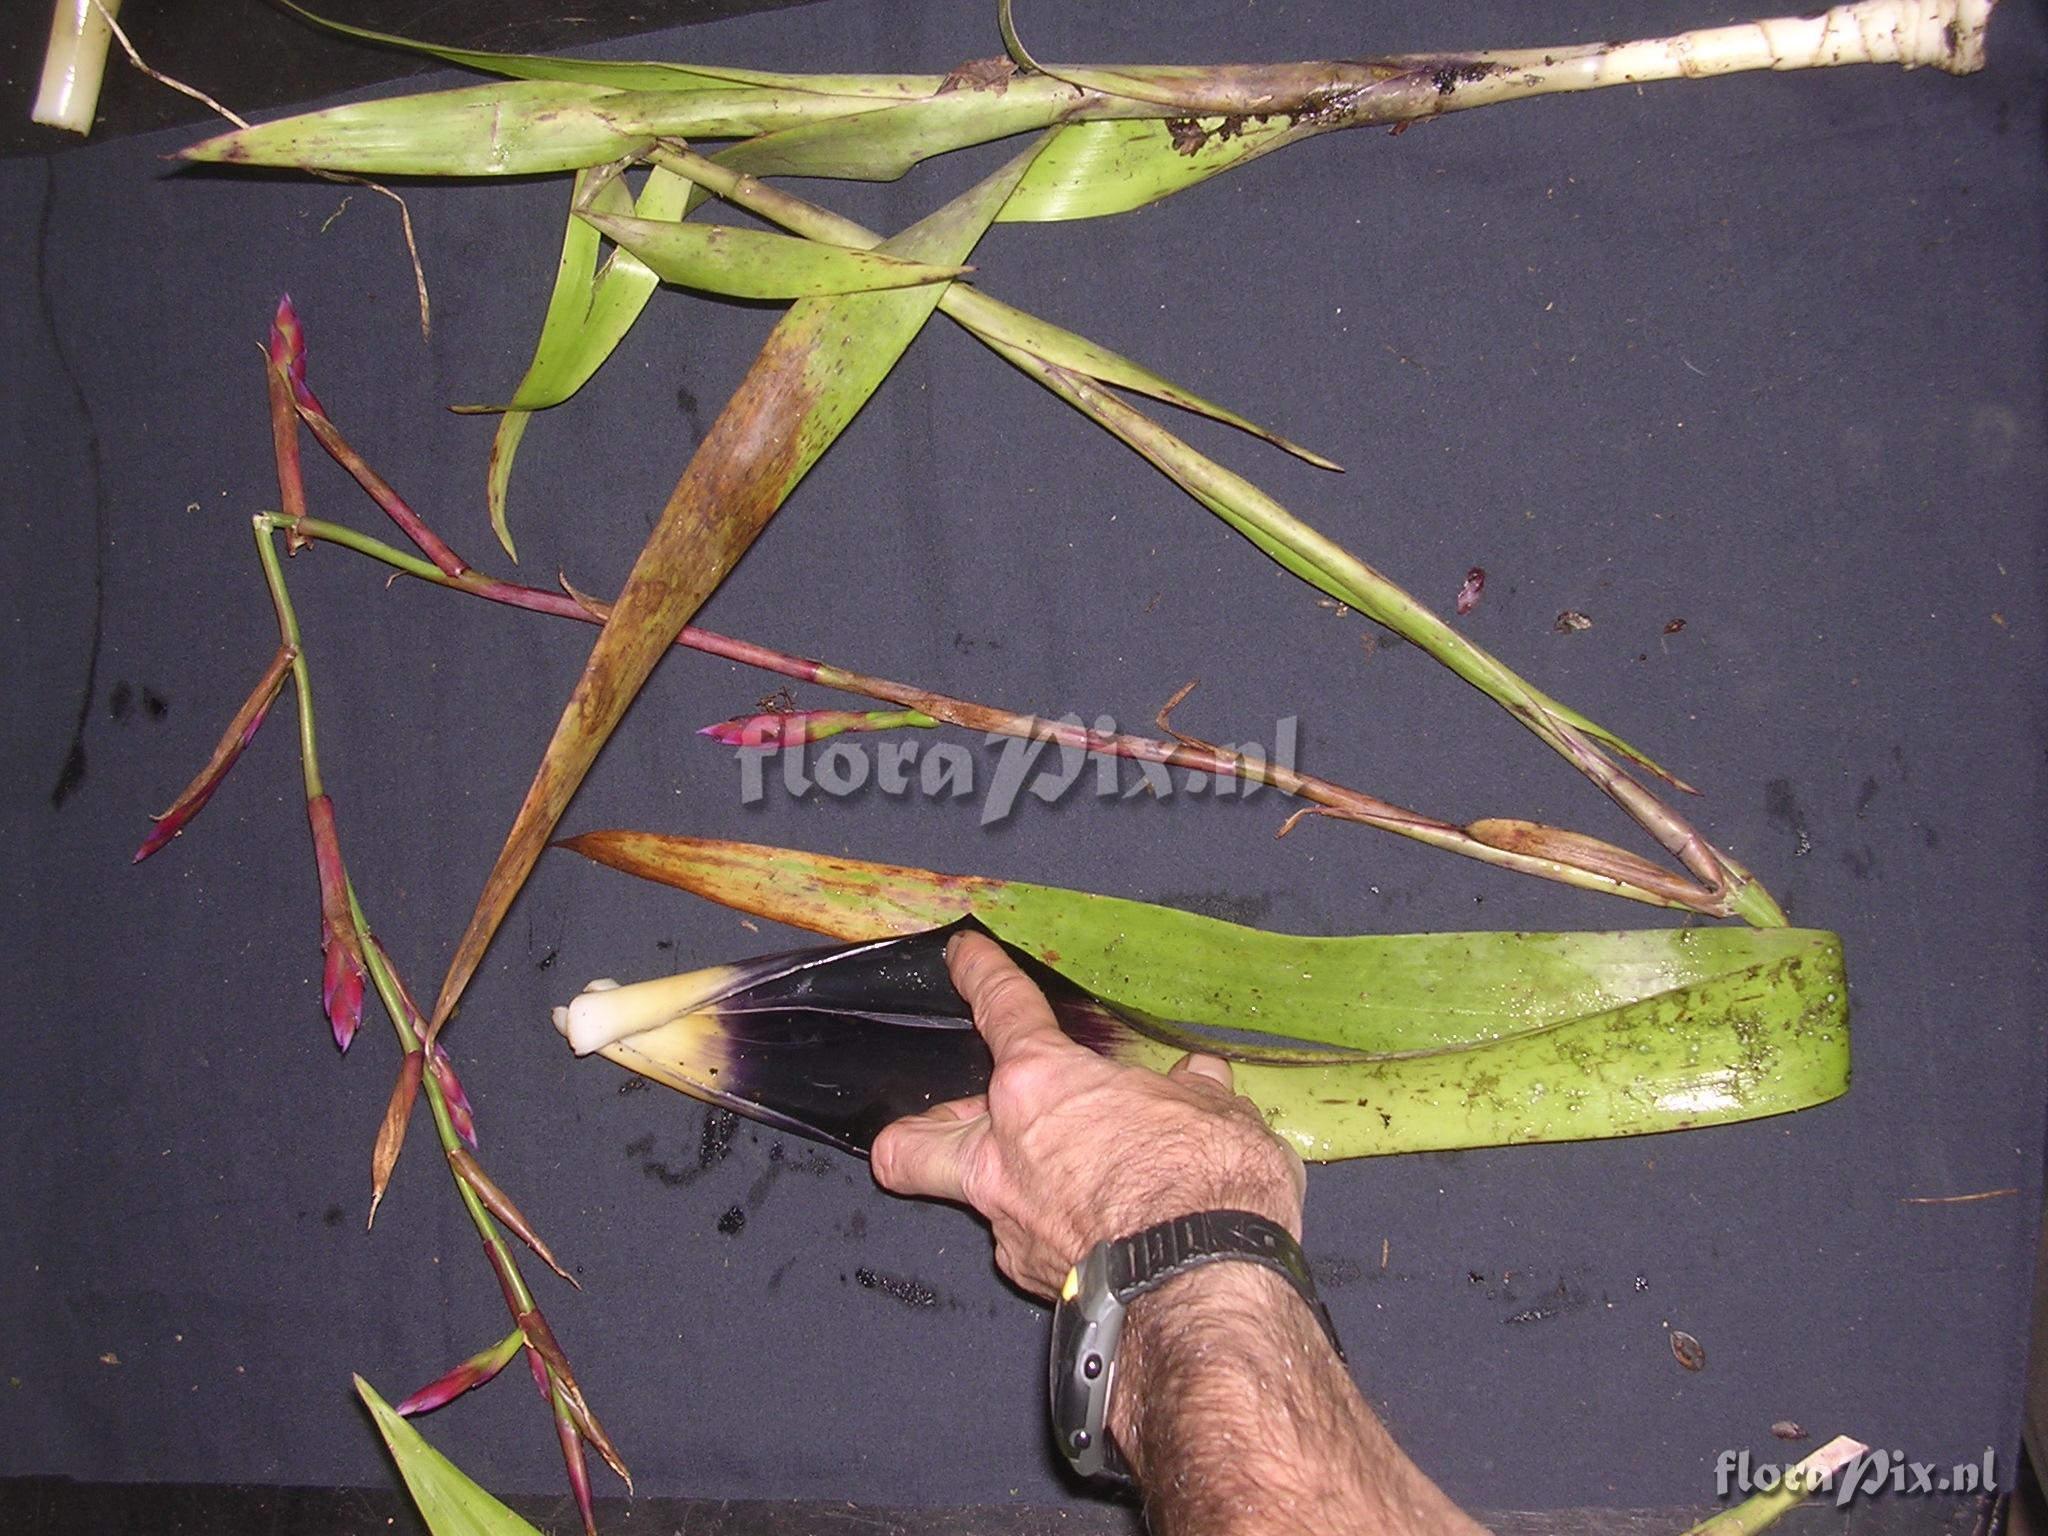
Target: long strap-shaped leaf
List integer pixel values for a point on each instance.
(1474, 1039)
(818, 367)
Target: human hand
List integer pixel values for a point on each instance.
(1067, 1148)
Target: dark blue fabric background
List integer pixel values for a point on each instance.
(1764, 354)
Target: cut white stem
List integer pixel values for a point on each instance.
(606, 1012)
(75, 63)
(1943, 34)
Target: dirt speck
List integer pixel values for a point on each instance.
(980, 75)
(1687, 1350)
(910, 1292)
(1468, 594)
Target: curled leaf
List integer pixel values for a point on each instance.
(240, 732)
(341, 984)
(473, 1372)
(1581, 1038)
(1466, 1034)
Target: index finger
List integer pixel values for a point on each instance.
(1009, 1010)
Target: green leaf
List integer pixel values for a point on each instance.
(587, 317)
(501, 129)
(1114, 165)
(622, 75)
(755, 264)
(883, 145)
(1313, 556)
(994, 321)
(514, 128)
(449, 1501)
(1474, 1039)
(817, 369)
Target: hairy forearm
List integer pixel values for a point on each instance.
(1238, 1418)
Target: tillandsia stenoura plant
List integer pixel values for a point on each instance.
(1112, 139)
(1108, 140)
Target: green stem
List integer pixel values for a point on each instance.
(288, 633)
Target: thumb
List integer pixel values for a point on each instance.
(928, 1154)
(1198, 1064)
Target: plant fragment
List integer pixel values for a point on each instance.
(1442, 1040)
(75, 64)
(473, 1372)
(391, 1131)
(1526, 847)
(233, 742)
(341, 985)
(450, 1503)
(1760, 1510)
(354, 955)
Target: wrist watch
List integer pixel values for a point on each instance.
(1088, 1320)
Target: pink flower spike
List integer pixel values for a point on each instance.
(288, 342)
(771, 732)
(572, 1458)
(473, 1372)
(341, 989)
(240, 732)
(459, 1112)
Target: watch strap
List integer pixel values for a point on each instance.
(1146, 1260)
